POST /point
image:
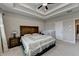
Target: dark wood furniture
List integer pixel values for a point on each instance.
(28, 30)
(14, 42)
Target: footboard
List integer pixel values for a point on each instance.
(46, 49)
(43, 50)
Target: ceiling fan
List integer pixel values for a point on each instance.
(45, 5)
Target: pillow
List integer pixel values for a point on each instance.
(27, 35)
(35, 34)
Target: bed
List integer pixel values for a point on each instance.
(35, 44)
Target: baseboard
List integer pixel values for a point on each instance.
(68, 41)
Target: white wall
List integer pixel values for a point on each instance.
(49, 24)
(59, 30)
(13, 21)
(69, 30)
(68, 26)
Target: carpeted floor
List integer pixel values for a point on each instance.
(61, 49)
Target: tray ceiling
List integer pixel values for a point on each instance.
(32, 9)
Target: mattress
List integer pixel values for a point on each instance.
(36, 43)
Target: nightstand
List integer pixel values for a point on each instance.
(14, 42)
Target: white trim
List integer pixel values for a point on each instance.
(52, 10)
(26, 6)
(45, 17)
(28, 12)
(15, 8)
(69, 41)
(58, 7)
(62, 11)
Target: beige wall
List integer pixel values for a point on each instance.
(13, 21)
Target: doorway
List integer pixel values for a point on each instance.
(77, 30)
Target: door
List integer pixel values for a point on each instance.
(59, 30)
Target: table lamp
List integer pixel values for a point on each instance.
(14, 34)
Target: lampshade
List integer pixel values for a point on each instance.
(14, 32)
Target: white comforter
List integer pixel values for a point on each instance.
(35, 42)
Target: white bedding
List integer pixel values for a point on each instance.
(34, 43)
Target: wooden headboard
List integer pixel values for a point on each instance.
(28, 30)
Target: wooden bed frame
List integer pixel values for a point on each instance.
(28, 30)
(33, 29)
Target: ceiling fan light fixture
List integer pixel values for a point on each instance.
(44, 4)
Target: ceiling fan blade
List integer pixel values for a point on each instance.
(40, 6)
(46, 7)
(50, 3)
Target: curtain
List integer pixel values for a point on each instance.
(2, 35)
(0, 42)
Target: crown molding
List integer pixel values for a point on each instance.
(58, 7)
(66, 9)
(47, 16)
(18, 9)
(52, 10)
(26, 6)
(34, 14)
